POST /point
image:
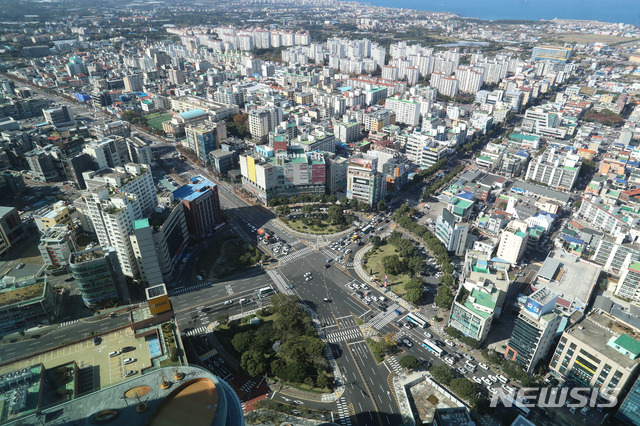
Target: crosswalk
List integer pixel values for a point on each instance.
(345, 334)
(383, 318)
(296, 255)
(343, 412)
(196, 331)
(349, 265)
(66, 323)
(247, 386)
(229, 289)
(393, 363)
(190, 288)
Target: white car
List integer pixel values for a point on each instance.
(449, 342)
(114, 353)
(502, 378)
(477, 380)
(428, 335)
(407, 342)
(308, 278)
(128, 361)
(487, 381)
(199, 277)
(228, 302)
(494, 379)
(483, 365)
(307, 274)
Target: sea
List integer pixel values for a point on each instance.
(617, 11)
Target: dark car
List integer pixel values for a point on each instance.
(97, 340)
(70, 279)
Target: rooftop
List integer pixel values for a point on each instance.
(192, 113)
(196, 187)
(16, 294)
(595, 331)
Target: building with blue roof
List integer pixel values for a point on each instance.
(201, 205)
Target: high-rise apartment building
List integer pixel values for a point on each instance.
(56, 245)
(453, 235)
(264, 120)
(407, 112)
(364, 182)
(534, 330)
(176, 77)
(133, 83)
(98, 276)
(551, 53)
(513, 242)
(555, 169)
(205, 139)
(201, 205)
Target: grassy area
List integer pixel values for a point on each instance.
(156, 119)
(213, 253)
(20, 294)
(396, 282)
(321, 227)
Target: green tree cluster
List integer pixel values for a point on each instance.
(287, 347)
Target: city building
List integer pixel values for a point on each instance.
(591, 354)
(59, 117)
(56, 245)
(139, 151)
(264, 120)
(205, 139)
(473, 309)
(551, 53)
(629, 411)
(407, 112)
(98, 276)
(573, 278)
(513, 242)
(132, 179)
(376, 120)
(223, 160)
(454, 236)
(201, 205)
(337, 169)
(196, 394)
(50, 216)
(605, 216)
(26, 303)
(158, 241)
(348, 132)
(614, 254)
(555, 169)
(534, 330)
(41, 164)
(110, 151)
(316, 140)
(364, 182)
(11, 228)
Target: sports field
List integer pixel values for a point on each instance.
(156, 119)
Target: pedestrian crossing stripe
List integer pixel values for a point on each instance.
(196, 331)
(296, 254)
(393, 362)
(66, 323)
(343, 412)
(346, 334)
(190, 288)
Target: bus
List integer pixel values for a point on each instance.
(509, 401)
(366, 229)
(432, 347)
(265, 291)
(418, 320)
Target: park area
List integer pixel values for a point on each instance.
(282, 344)
(397, 258)
(319, 225)
(156, 119)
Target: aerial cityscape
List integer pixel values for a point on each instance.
(319, 212)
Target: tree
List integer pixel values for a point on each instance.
(442, 374)
(447, 280)
(253, 363)
(393, 265)
(444, 298)
(283, 210)
(307, 209)
(409, 362)
(241, 342)
(322, 381)
(336, 215)
(463, 387)
(223, 319)
(414, 295)
(381, 206)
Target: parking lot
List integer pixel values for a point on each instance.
(106, 370)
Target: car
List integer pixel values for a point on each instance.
(483, 365)
(407, 325)
(477, 380)
(462, 370)
(584, 411)
(228, 302)
(502, 378)
(128, 349)
(329, 260)
(494, 379)
(20, 266)
(243, 301)
(449, 342)
(130, 373)
(467, 356)
(114, 353)
(407, 342)
(199, 277)
(487, 381)
(327, 300)
(428, 335)
(471, 367)
(128, 361)
(309, 278)
(424, 362)
(397, 312)
(97, 340)
(307, 274)
(347, 251)
(69, 279)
